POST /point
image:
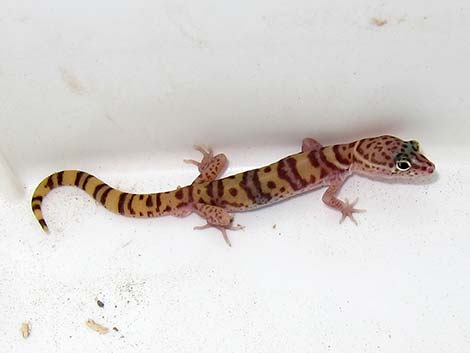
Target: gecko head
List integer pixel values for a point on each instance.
(390, 157)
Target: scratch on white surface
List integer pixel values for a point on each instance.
(127, 243)
(10, 184)
(183, 22)
(113, 122)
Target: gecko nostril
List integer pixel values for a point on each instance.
(430, 168)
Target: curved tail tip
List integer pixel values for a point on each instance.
(44, 226)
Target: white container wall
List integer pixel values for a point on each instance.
(124, 89)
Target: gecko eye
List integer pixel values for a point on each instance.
(403, 165)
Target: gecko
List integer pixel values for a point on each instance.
(215, 199)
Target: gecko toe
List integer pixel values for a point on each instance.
(224, 234)
(353, 219)
(348, 210)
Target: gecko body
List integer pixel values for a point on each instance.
(215, 199)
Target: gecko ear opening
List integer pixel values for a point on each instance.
(415, 145)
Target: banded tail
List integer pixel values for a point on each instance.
(123, 203)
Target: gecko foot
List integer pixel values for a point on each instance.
(207, 156)
(223, 230)
(348, 209)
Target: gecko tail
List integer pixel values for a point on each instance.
(65, 178)
(114, 200)
(36, 206)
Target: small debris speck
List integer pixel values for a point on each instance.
(274, 226)
(379, 22)
(100, 303)
(96, 327)
(116, 329)
(25, 329)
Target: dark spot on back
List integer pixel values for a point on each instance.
(179, 194)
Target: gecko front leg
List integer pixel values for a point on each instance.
(347, 209)
(210, 167)
(216, 217)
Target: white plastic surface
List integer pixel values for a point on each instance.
(123, 89)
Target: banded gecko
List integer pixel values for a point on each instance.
(215, 199)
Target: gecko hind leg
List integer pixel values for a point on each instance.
(222, 230)
(310, 144)
(216, 217)
(210, 167)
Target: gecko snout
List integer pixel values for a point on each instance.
(430, 169)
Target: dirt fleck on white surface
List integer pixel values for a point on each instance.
(96, 327)
(72, 82)
(26, 329)
(379, 22)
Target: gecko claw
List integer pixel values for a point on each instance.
(191, 161)
(237, 227)
(205, 152)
